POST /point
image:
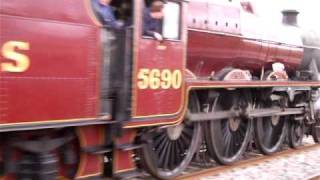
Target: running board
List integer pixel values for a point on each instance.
(196, 117)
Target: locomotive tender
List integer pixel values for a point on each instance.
(220, 75)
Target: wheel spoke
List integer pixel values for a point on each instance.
(176, 153)
(225, 133)
(181, 146)
(159, 140)
(173, 155)
(167, 156)
(277, 132)
(163, 154)
(237, 139)
(268, 136)
(162, 146)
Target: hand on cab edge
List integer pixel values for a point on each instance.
(158, 36)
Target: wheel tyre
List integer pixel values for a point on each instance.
(316, 132)
(259, 137)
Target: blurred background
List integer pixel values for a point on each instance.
(271, 10)
(308, 18)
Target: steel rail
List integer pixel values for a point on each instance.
(314, 177)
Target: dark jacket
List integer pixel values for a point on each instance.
(106, 14)
(151, 25)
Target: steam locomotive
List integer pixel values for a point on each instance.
(75, 106)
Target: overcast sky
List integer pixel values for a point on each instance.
(309, 10)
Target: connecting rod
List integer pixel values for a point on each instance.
(256, 113)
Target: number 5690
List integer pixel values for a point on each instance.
(159, 79)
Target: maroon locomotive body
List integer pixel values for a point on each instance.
(81, 100)
(226, 34)
(62, 53)
(231, 34)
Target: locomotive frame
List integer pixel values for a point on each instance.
(86, 142)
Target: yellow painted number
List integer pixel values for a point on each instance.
(20, 62)
(154, 79)
(159, 79)
(176, 79)
(143, 79)
(166, 79)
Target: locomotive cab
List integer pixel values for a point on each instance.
(158, 65)
(129, 53)
(116, 52)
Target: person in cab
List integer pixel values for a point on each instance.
(111, 37)
(153, 19)
(106, 13)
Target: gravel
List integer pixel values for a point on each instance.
(297, 166)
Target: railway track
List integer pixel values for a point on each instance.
(202, 171)
(314, 177)
(250, 162)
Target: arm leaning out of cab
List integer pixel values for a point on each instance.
(106, 14)
(152, 20)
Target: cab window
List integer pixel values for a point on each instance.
(171, 21)
(162, 20)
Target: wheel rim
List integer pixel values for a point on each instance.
(227, 139)
(296, 133)
(316, 130)
(170, 150)
(270, 133)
